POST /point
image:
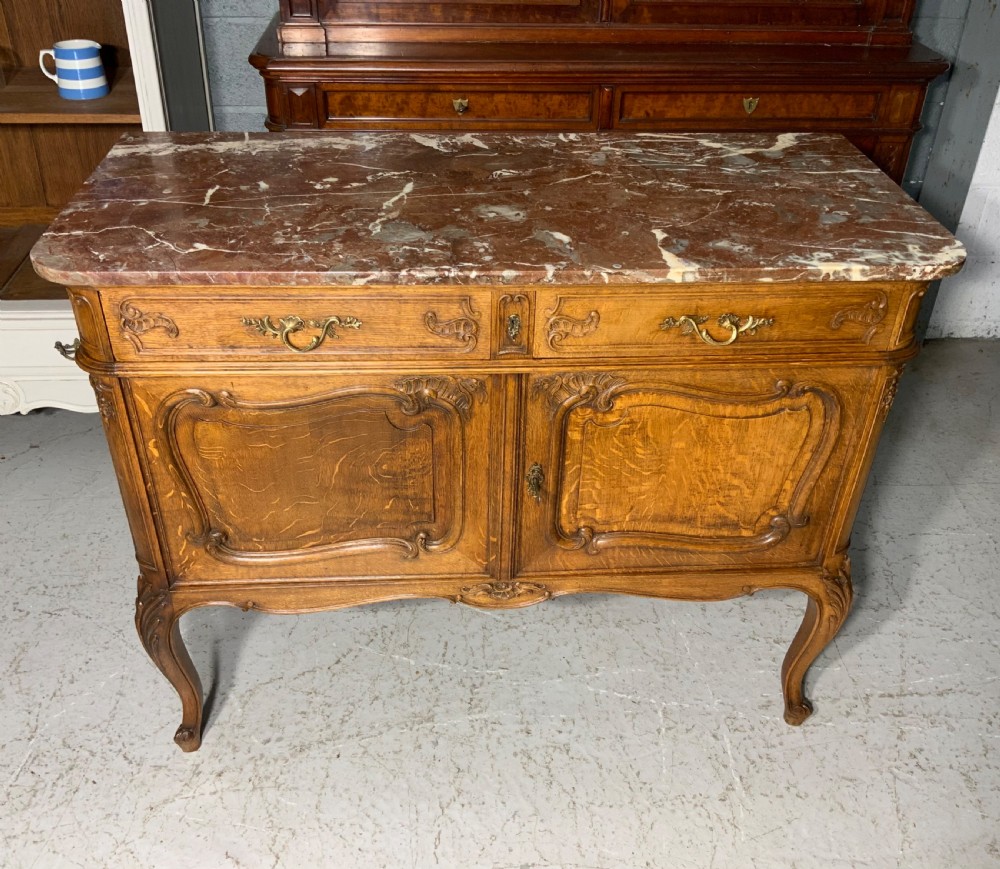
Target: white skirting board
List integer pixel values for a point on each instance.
(32, 373)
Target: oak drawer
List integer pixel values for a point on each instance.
(647, 108)
(179, 324)
(742, 319)
(457, 106)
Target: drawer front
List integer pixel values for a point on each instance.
(457, 107)
(647, 108)
(802, 319)
(177, 325)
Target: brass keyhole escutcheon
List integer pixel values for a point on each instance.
(534, 479)
(750, 104)
(461, 105)
(514, 327)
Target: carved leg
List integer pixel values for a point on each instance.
(160, 634)
(829, 603)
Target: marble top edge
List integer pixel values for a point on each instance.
(373, 209)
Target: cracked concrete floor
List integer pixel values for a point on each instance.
(585, 733)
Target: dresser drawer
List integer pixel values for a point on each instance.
(649, 108)
(179, 324)
(457, 107)
(743, 319)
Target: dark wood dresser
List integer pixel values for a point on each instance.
(495, 369)
(847, 66)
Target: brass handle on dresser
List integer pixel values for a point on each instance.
(690, 324)
(288, 326)
(534, 479)
(68, 350)
(750, 104)
(513, 327)
(461, 105)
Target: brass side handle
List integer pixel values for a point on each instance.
(461, 105)
(690, 324)
(750, 104)
(534, 479)
(513, 327)
(68, 350)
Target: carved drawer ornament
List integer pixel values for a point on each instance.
(462, 329)
(870, 314)
(690, 324)
(596, 388)
(135, 322)
(561, 327)
(459, 392)
(288, 326)
(504, 593)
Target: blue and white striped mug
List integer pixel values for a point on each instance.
(79, 72)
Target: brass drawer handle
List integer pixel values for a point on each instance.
(68, 350)
(513, 327)
(690, 324)
(534, 479)
(288, 326)
(461, 105)
(750, 104)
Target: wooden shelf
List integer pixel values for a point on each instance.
(31, 98)
(18, 281)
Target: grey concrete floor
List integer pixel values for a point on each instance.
(586, 733)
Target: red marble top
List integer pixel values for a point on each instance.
(327, 209)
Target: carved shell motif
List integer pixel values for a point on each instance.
(503, 593)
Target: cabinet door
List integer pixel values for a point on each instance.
(644, 470)
(289, 477)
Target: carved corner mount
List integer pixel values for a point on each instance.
(153, 610)
(889, 393)
(465, 329)
(460, 392)
(501, 593)
(838, 590)
(135, 323)
(595, 388)
(869, 314)
(104, 392)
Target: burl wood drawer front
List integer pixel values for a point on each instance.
(191, 325)
(709, 322)
(457, 107)
(832, 108)
(629, 469)
(314, 477)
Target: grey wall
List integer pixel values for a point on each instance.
(231, 29)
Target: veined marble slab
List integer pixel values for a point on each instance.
(317, 209)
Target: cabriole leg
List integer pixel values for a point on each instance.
(158, 627)
(828, 606)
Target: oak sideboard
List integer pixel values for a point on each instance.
(494, 369)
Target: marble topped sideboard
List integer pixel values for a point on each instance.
(494, 369)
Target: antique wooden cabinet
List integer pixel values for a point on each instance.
(492, 369)
(847, 66)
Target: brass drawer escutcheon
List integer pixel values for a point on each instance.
(690, 324)
(514, 327)
(750, 104)
(534, 479)
(288, 326)
(461, 105)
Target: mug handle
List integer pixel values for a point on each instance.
(41, 63)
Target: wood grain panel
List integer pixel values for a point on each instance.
(291, 476)
(646, 470)
(67, 155)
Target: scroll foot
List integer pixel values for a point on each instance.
(157, 624)
(828, 606)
